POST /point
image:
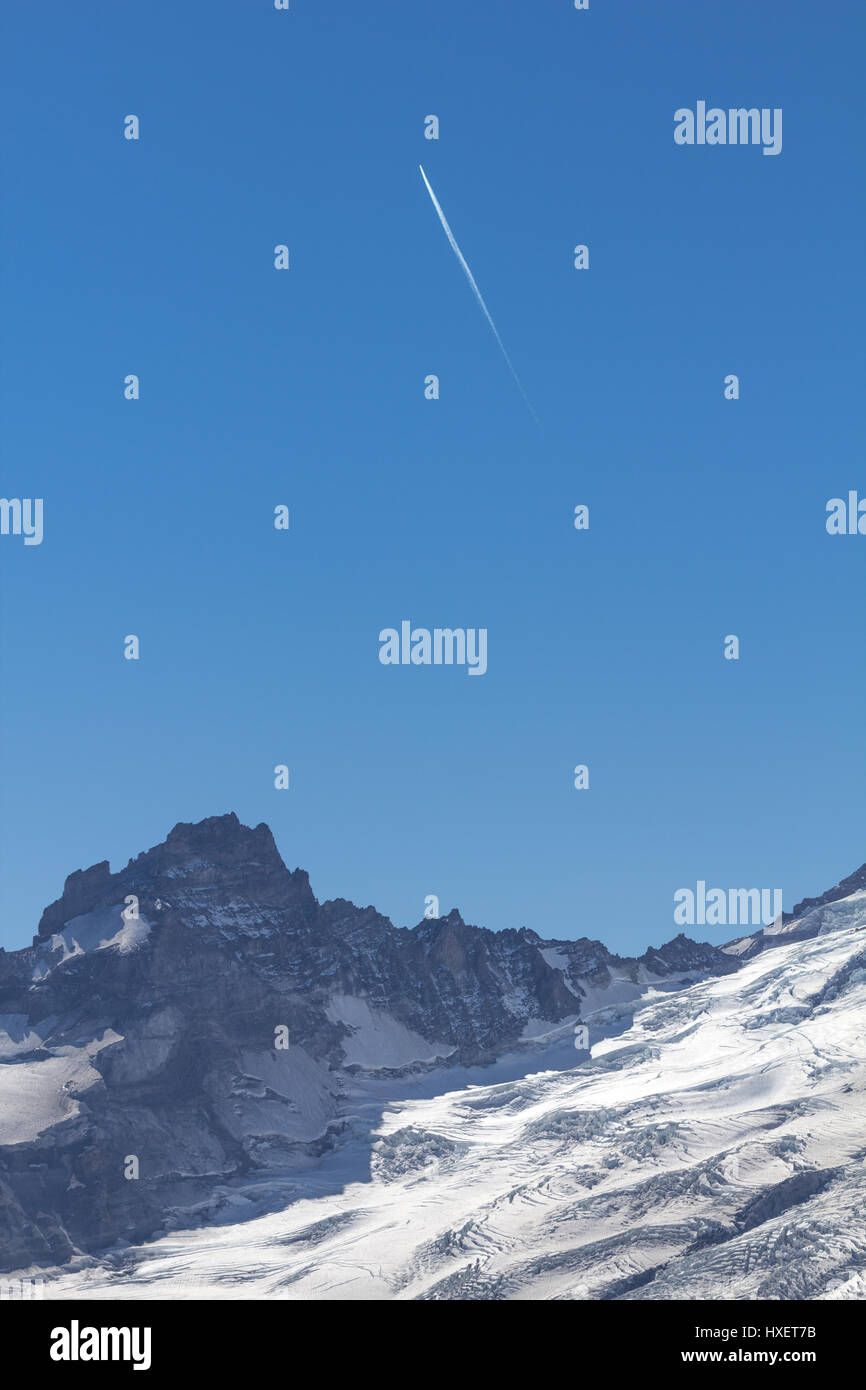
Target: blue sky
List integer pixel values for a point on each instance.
(306, 387)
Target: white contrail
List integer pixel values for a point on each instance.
(476, 291)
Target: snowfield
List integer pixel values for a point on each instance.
(711, 1145)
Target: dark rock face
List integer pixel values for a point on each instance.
(683, 954)
(854, 883)
(195, 1017)
(214, 862)
(809, 918)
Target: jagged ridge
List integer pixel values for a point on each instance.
(159, 1035)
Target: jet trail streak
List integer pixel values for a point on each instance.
(476, 291)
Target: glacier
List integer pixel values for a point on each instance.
(710, 1145)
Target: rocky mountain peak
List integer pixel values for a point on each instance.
(854, 883)
(217, 858)
(158, 1035)
(682, 953)
(224, 836)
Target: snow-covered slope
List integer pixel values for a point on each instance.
(201, 1013)
(711, 1146)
